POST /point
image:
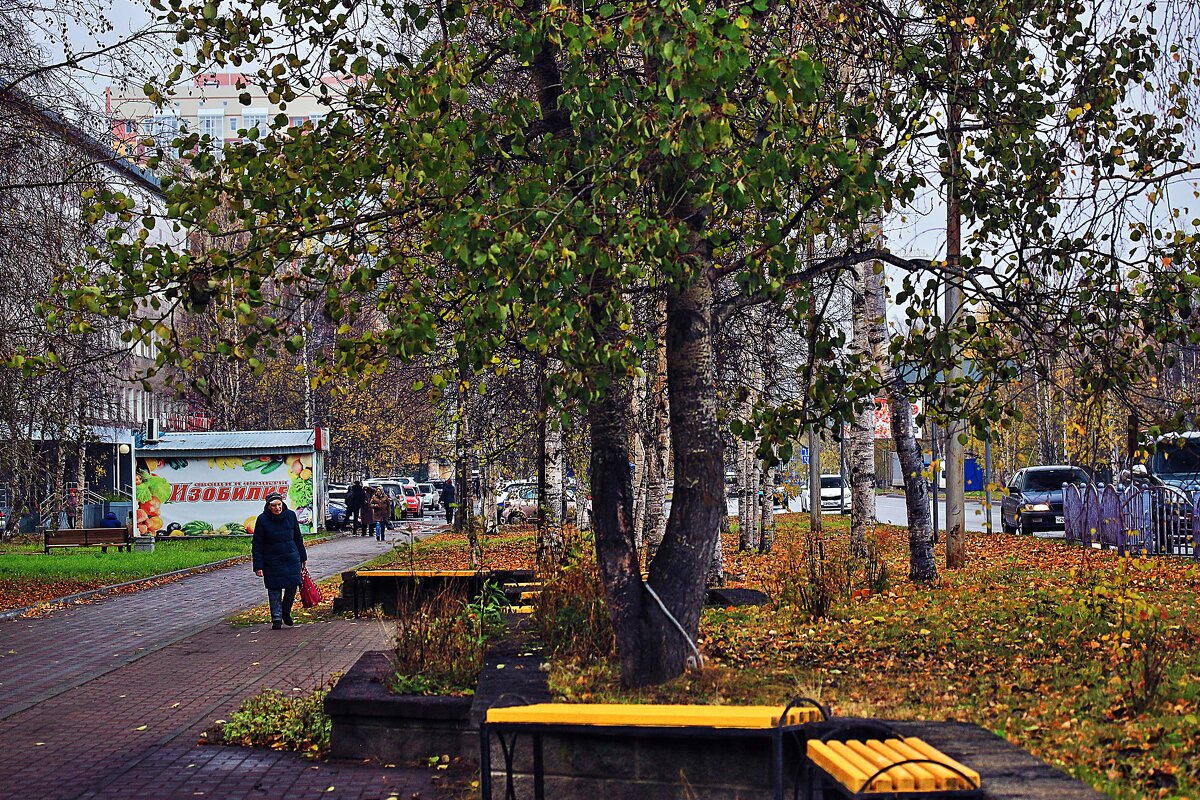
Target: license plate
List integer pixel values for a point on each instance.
(1058, 520)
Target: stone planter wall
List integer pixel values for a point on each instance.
(369, 722)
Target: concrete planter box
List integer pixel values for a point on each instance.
(369, 722)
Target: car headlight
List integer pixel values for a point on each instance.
(1036, 507)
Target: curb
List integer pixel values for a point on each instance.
(72, 599)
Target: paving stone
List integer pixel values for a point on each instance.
(109, 700)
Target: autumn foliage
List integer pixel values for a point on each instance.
(1081, 657)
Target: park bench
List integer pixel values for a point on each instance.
(629, 722)
(868, 759)
(103, 538)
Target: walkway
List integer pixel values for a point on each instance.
(109, 700)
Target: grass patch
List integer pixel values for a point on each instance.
(29, 576)
(282, 722)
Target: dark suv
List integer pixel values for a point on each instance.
(1035, 498)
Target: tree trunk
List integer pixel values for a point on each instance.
(487, 486)
(650, 648)
(551, 539)
(766, 539)
(655, 526)
(678, 571)
(921, 563)
(862, 431)
(638, 458)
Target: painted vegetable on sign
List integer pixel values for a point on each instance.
(219, 496)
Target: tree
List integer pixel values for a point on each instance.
(521, 174)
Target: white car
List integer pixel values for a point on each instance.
(835, 495)
(429, 496)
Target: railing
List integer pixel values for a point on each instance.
(1155, 520)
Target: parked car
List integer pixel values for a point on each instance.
(413, 505)
(336, 493)
(1035, 498)
(521, 505)
(429, 496)
(336, 517)
(835, 495)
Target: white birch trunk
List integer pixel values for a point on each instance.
(658, 455)
(766, 537)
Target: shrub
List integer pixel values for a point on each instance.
(440, 642)
(570, 613)
(282, 722)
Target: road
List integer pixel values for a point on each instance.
(891, 510)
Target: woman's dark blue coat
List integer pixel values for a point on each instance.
(278, 548)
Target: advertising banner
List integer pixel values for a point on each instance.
(883, 419)
(220, 495)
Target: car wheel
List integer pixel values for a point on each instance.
(1024, 529)
(516, 518)
(1004, 526)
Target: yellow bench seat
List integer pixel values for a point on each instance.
(852, 763)
(657, 716)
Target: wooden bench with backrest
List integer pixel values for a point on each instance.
(103, 538)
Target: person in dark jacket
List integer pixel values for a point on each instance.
(111, 521)
(355, 500)
(279, 557)
(448, 495)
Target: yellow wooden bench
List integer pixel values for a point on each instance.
(604, 719)
(894, 768)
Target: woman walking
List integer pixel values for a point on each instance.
(279, 557)
(381, 511)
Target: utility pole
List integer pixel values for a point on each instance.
(956, 553)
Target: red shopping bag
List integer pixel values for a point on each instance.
(310, 595)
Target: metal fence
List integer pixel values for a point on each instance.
(1155, 520)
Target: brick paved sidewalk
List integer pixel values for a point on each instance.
(44, 656)
(109, 700)
(133, 732)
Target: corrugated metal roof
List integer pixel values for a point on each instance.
(266, 442)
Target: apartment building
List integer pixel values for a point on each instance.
(209, 104)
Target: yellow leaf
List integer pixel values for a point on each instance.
(1073, 113)
(140, 728)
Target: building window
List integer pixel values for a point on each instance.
(256, 118)
(212, 124)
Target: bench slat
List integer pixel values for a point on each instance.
(845, 772)
(927, 750)
(902, 779)
(616, 714)
(926, 780)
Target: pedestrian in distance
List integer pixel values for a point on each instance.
(72, 507)
(367, 512)
(279, 557)
(448, 495)
(381, 512)
(354, 503)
